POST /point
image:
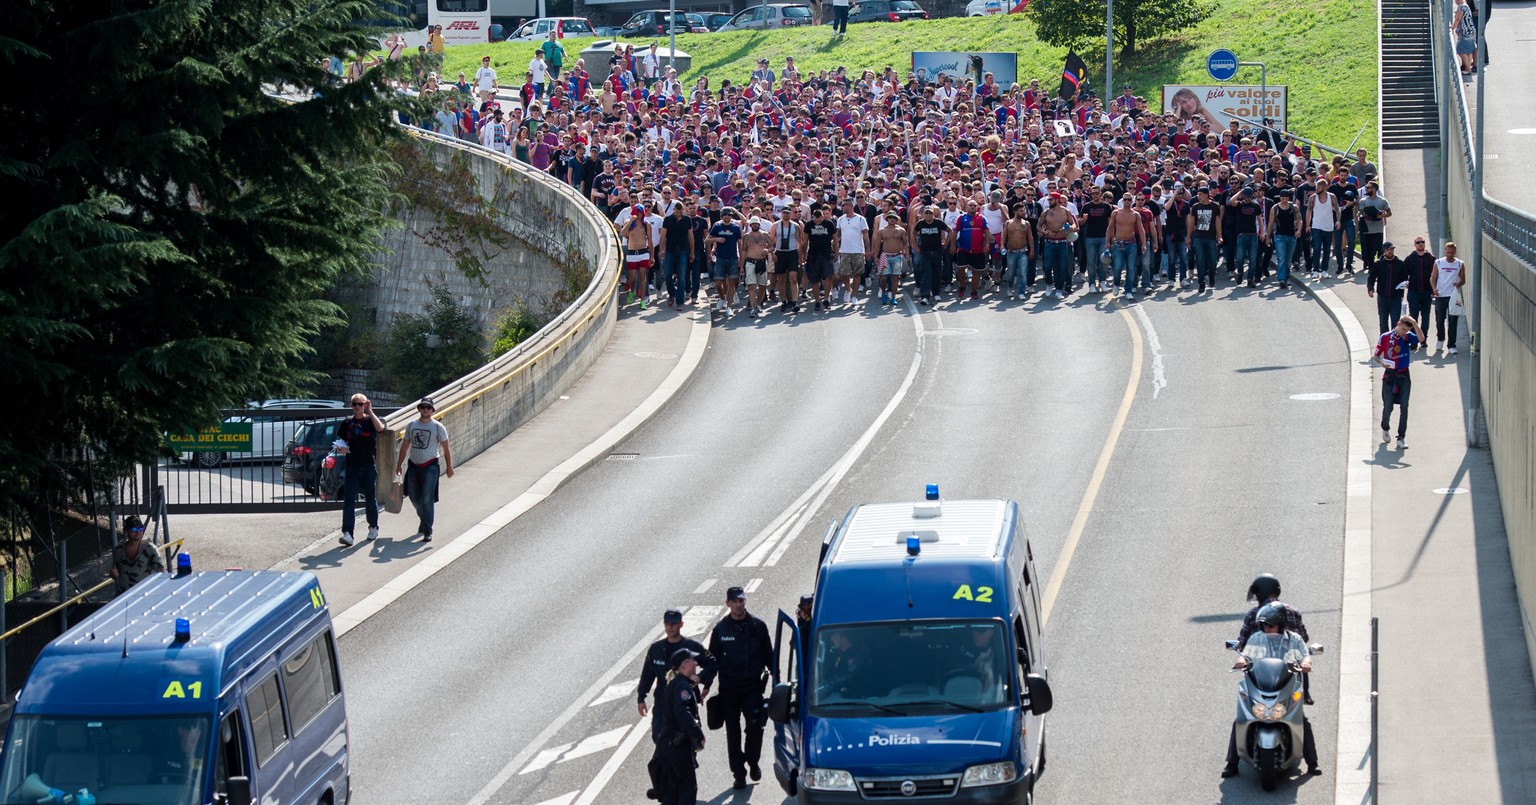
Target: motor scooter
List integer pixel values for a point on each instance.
(1271, 726)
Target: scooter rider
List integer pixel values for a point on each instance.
(1265, 589)
(744, 651)
(1278, 643)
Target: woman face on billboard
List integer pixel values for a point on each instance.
(1187, 105)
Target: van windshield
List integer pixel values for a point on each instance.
(911, 667)
(131, 759)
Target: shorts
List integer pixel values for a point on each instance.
(786, 262)
(977, 260)
(725, 268)
(637, 259)
(850, 265)
(757, 271)
(818, 267)
(892, 265)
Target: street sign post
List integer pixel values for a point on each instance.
(1221, 64)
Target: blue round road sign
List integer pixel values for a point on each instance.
(1221, 64)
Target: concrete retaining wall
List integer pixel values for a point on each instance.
(1507, 347)
(552, 224)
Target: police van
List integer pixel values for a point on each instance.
(215, 687)
(922, 672)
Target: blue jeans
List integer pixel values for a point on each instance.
(699, 265)
(1058, 263)
(1322, 241)
(363, 479)
(1419, 305)
(1178, 263)
(1344, 245)
(1285, 251)
(925, 267)
(1389, 309)
(840, 18)
(674, 266)
(1248, 246)
(1096, 270)
(1205, 260)
(1018, 268)
(421, 486)
(1125, 257)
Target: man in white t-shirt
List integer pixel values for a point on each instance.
(852, 250)
(426, 446)
(539, 71)
(485, 80)
(840, 10)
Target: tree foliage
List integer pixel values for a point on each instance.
(426, 351)
(168, 225)
(1079, 25)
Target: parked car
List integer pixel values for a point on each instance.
(887, 11)
(714, 21)
(696, 24)
(269, 434)
(653, 23)
(306, 450)
(775, 15)
(538, 30)
(984, 8)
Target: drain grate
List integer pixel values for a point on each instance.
(623, 456)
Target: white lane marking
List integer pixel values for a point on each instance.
(769, 545)
(545, 758)
(704, 588)
(753, 585)
(563, 799)
(693, 354)
(615, 692)
(576, 706)
(593, 744)
(698, 620)
(611, 768)
(1159, 381)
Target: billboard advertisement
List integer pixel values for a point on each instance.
(1219, 104)
(1004, 67)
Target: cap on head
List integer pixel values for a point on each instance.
(681, 656)
(1387, 245)
(426, 402)
(672, 616)
(735, 594)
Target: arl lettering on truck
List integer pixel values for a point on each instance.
(922, 673)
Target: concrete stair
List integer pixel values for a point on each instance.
(1409, 116)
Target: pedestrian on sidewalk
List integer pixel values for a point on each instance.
(1385, 282)
(360, 433)
(1373, 214)
(1420, 264)
(1393, 350)
(1450, 276)
(427, 457)
(134, 560)
(744, 655)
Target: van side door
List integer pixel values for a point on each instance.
(785, 700)
(270, 735)
(233, 758)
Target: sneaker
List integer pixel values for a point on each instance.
(373, 533)
(729, 312)
(426, 537)
(1402, 444)
(346, 538)
(1202, 286)
(1314, 770)
(1439, 345)
(752, 314)
(645, 303)
(755, 772)
(739, 783)
(925, 301)
(418, 535)
(1451, 351)
(1229, 770)
(1386, 436)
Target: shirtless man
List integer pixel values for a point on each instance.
(637, 252)
(608, 99)
(1056, 223)
(1126, 236)
(755, 246)
(1018, 251)
(891, 247)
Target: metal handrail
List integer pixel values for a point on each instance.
(171, 549)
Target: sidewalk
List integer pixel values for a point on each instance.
(1457, 704)
(649, 356)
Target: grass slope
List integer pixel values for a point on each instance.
(1324, 50)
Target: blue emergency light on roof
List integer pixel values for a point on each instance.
(183, 564)
(933, 492)
(914, 545)
(183, 630)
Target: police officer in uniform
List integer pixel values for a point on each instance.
(743, 652)
(653, 671)
(679, 736)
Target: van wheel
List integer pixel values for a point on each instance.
(1040, 763)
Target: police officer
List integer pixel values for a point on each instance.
(653, 671)
(803, 622)
(743, 652)
(679, 735)
(1266, 589)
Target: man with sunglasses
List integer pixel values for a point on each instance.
(133, 560)
(360, 434)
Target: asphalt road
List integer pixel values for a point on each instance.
(510, 678)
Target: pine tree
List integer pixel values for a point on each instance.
(167, 225)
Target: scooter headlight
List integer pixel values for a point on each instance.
(1277, 712)
(827, 780)
(1259, 710)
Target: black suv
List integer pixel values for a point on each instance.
(308, 447)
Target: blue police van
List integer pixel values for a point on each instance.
(212, 687)
(922, 673)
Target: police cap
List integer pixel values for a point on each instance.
(681, 656)
(735, 594)
(672, 616)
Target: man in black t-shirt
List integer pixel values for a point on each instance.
(1248, 227)
(1173, 237)
(1095, 221)
(362, 473)
(930, 237)
(1203, 236)
(819, 274)
(676, 253)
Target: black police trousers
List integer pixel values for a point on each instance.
(743, 703)
(1308, 744)
(674, 774)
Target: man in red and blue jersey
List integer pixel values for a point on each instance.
(970, 246)
(1393, 350)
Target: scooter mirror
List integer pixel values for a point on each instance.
(1232, 645)
(1316, 648)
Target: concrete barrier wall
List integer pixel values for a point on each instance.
(555, 223)
(1507, 347)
